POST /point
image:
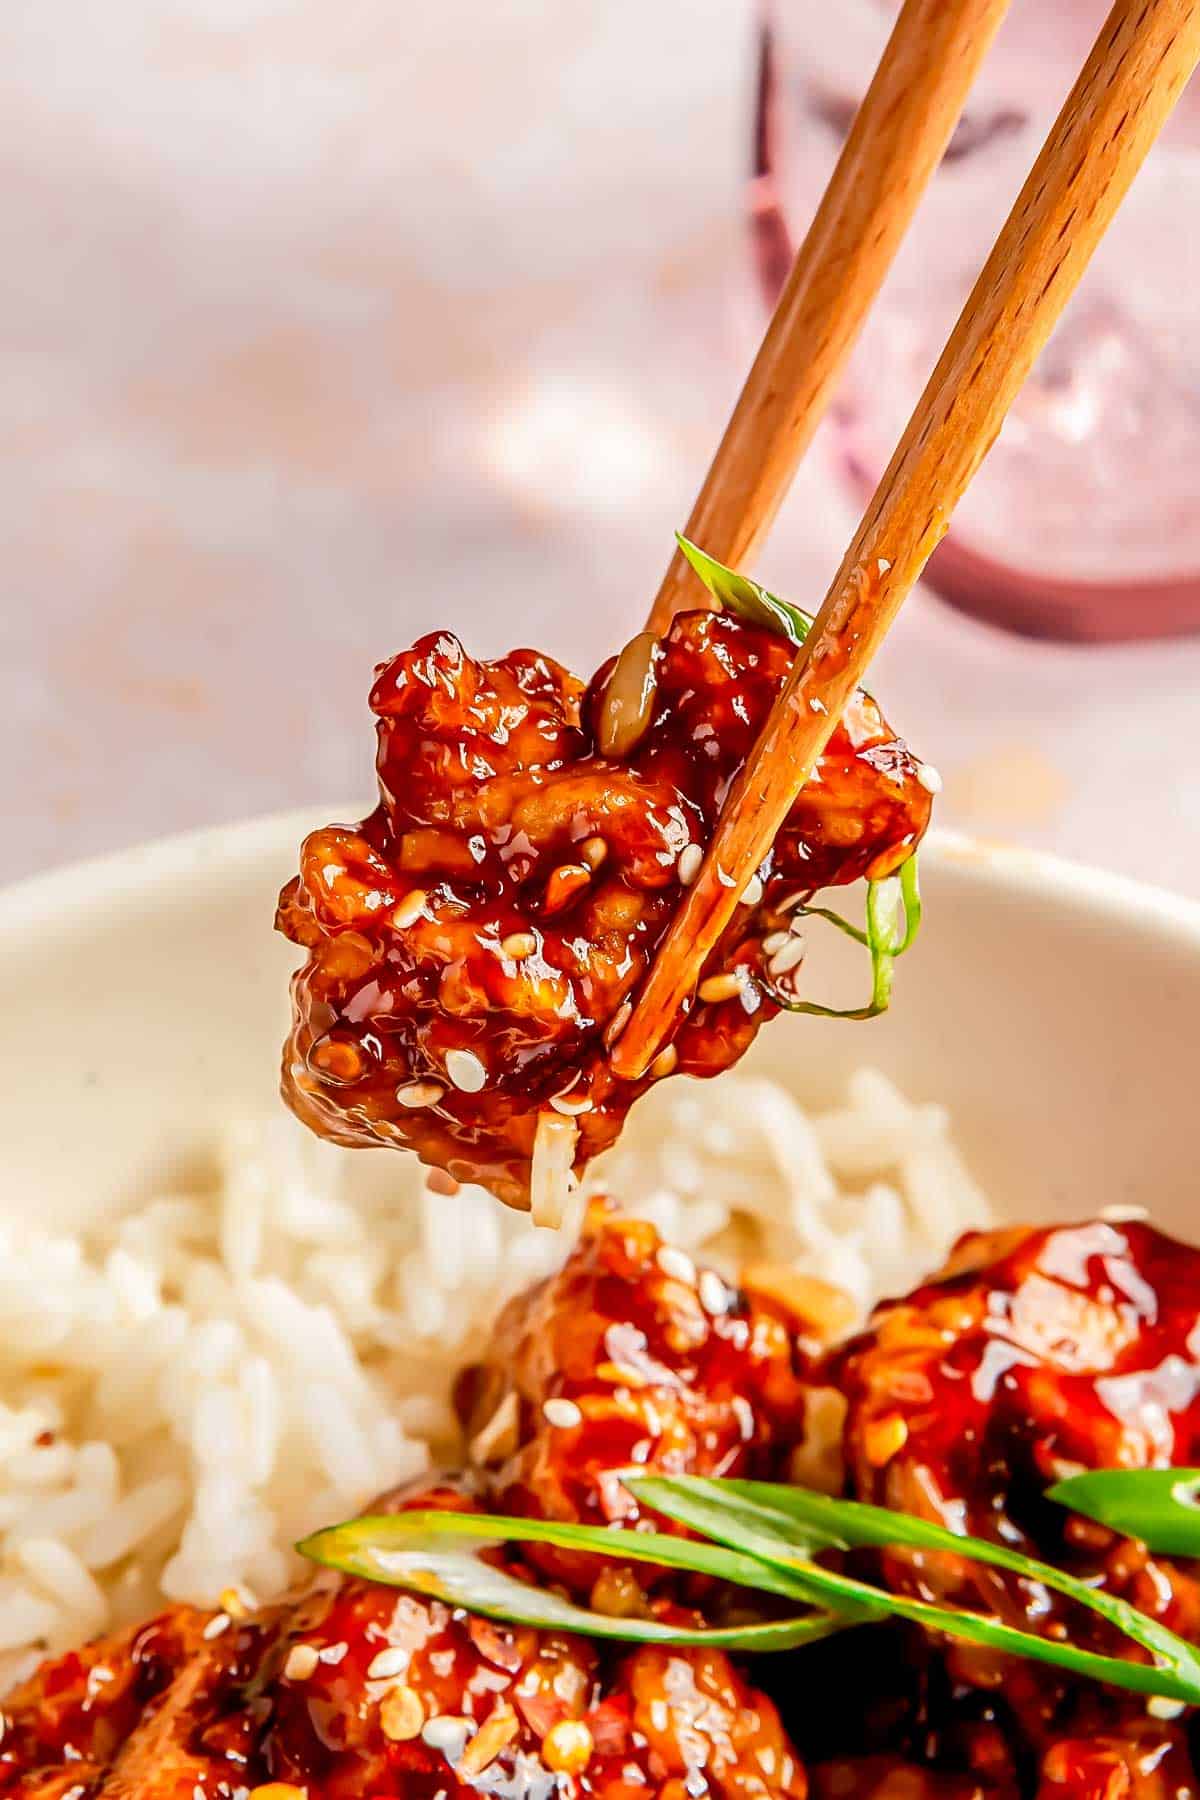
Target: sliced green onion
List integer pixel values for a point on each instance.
(779, 1525)
(440, 1555)
(757, 1535)
(744, 597)
(1161, 1507)
(893, 915)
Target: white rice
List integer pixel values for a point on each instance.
(189, 1390)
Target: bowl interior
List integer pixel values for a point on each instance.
(1049, 1007)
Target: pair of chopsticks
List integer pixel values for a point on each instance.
(1138, 67)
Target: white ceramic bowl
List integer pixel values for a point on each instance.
(1053, 1008)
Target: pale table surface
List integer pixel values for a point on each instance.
(321, 324)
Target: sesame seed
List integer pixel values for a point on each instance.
(884, 1438)
(333, 1653)
(665, 1063)
(930, 778)
(563, 1103)
(752, 893)
(500, 1436)
(401, 1714)
(563, 884)
(619, 1374)
(593, 851)
(1160, 1707)
(385, 1665)
(677, 1264)
(420, 1093)
(217, 1624)
(466, 1070)
(715, 1297)
(774, 941)
(788, 956)
(1124, 1215)
(518, 945)
(448, 1734)
(302, 1661)
(238, 1602)
(562, 1413)
(724, 879)
(567, 1747)
(410, 909)
(690, 858)
(720, 987)
(617, 1023)
(498, 1730)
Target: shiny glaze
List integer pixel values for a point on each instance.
(171, 1712)
(1037, 1353)
(657, 1719)
(130, 1714)
(498, 820)
(219, 1718)
(1034, 1354)
(668, 1367)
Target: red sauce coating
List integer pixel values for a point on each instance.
(357, 1690)
(470, 942)
(129, 1715)
(1034, 1351)
(567, 1717)
(1035, 1354)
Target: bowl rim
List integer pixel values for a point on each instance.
(142, 871)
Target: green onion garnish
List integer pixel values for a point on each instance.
(759, 1535)
(439, 1554)
(744, 597)
(893, 916)
(1161, 1507)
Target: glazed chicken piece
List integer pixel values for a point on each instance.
(412, 1699)
(629, 1358)
(1035, 1354)
(359, 1690)
(158, 1709)
(472, 945)
(1142, 1760)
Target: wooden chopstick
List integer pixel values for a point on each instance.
(1144, 55)
(895, 143)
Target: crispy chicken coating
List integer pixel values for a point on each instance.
(472, 943)
(1036, 1354)
(359, 1690)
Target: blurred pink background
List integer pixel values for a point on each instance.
(323, 324)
